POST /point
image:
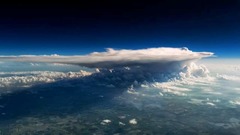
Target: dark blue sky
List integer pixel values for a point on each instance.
(200, 25)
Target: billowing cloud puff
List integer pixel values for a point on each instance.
(146, 58)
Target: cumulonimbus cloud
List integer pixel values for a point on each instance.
(116, 68)
(112, 58)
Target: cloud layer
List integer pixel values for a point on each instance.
(118, 58)
(27, 79)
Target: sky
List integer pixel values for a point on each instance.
(72, 29)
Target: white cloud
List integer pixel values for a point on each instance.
(228, 77)
(235, 102)
(27, 79)
(105, 122)
(133, 121)
(34, 64)
(222, 66)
